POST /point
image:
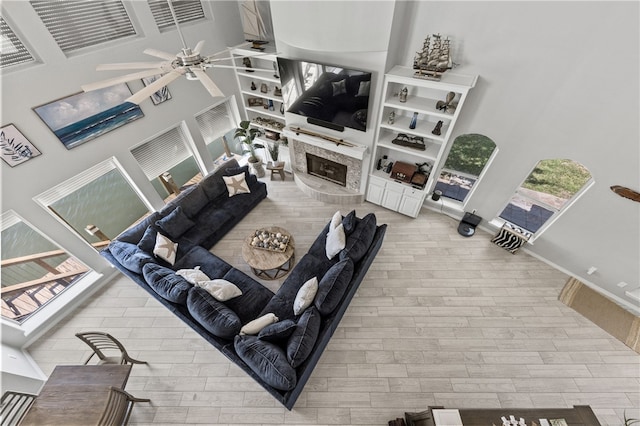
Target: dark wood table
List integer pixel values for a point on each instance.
(76, 394)
(579, 415)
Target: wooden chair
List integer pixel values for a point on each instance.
(103, 344)
(118, 408)
(14, 406)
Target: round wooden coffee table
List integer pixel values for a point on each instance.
(267, 264)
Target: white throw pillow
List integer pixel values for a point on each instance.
(336, 241)
(254, 327)
(305, 296)
(236, 184)
(221, 290)
(194, 276)
(165, 249)
(335, 220)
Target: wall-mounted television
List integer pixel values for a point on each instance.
(331, 96)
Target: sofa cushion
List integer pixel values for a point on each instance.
(304, 297)
(255, 326)
(267, 360)
(129, 255)
(165, 249)
(333, 285)
(360, 239)
(231, 171)
(277, 332)
(220, 289)
(212, 315)
(254, 297)
(194, 201)
(175, 223)
(303, 338)
(166, 283)
(209, 263)
(236, 184)
(133, 234)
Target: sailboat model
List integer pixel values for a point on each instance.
(433, 59)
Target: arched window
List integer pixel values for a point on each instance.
(551, 187)
(465, 163)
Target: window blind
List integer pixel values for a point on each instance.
(162, 153)
(186, 10)
(12, 51)
(75, 24)
(215, 122)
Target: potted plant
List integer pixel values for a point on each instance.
(274, 151)
(247, 135)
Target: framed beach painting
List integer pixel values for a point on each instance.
(161, 95)
(84, 116)
(15, 148)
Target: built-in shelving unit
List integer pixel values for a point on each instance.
(422, 98)
(265, 109)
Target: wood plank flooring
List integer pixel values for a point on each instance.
(439, 320)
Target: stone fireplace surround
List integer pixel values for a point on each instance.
(321, 189)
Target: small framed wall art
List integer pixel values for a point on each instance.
(161, 95)
(15, 147)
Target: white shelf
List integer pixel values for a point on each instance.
(449, 81)
(258, 75)
(430, 153)
(423, 128)
(258, 94)
(418, 104)
(263, 111)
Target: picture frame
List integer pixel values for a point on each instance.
(15, 148)
(84, 116)
(161, 95)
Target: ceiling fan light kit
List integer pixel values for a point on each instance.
(188, 62)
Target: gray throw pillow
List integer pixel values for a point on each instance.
(194, 201)
(333, 285)
(267, 360)
(175, 223)
(303, 338)
(148, 240)
(166, 283)
(349, 222)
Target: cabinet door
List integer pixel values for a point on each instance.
(410, 205)
(374, 193)
(391, 198)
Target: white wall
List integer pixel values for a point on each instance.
(58, 76)
(557, 80)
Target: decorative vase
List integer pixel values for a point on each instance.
(414, 121)
(403, 94)
(256, 167)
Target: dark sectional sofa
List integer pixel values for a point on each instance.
(282, 356)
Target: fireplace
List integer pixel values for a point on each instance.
(327, 169)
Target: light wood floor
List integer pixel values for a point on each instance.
(439, 320)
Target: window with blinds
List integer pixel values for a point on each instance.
(216, 122)
(186, 11)
(75, 24)
(12, 51)
(162, 153)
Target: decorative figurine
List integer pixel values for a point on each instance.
(264, 88)
(282, 109)
(437, 130)
(253, 86)
(449, 105)
(434, 59)
(277, 91)
(247, 63)
(403, 94)
(414, 121)
(392, 117)
(275, 69)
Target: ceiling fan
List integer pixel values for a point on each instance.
(189, 62)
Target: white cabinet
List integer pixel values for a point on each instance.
(422, 102)
(260, 91)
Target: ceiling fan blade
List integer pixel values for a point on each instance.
(198, 47)
(160, 54)
(155, 86)
(130, 66)
(117, 80)
(207, 83)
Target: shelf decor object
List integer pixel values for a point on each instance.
(626, 193)
(433, 59)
